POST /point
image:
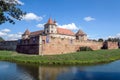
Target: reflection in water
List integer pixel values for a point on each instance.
(12, 71)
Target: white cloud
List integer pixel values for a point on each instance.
(40, 25)
(115, 36)
(5, 30)
(32, 16)
(14, 2)
(71, 26)
(19, 2)
(2, 33)
(14, 36)
(89, 18)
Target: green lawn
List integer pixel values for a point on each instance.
(83, 57)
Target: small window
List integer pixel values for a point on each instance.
(52, 31)
(34, 39)
(47, 31)
(51, 26)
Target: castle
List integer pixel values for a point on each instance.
(52, 30)
(54, 40)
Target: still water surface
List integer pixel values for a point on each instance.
(14, 71)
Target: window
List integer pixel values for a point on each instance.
(51, 26)
(47, 31)
(34, 39)
(51, 31)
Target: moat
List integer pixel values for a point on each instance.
(14, 71)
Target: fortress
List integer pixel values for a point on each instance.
(54, 40)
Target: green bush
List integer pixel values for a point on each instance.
(85, 48)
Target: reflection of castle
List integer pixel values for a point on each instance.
(51, 29)
(54, 40)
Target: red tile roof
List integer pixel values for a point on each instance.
(36, 33)
(50, 21)
(80, 33)
(27, 32)
(64, 31)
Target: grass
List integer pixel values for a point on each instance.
(83, 57)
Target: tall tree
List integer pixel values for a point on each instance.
(1, 39)
(9, 11)
(100, 40)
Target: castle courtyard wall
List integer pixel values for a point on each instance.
(40, 46)
(61, 46)
(112, 45)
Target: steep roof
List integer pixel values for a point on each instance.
(50, 21)
(80, 33)
(64, 31)
(36, 33)
(27, 32)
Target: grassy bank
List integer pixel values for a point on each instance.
(83, 57)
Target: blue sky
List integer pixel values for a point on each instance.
(97, 18)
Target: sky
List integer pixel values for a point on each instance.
(97, 18)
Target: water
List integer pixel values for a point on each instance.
(13, 71)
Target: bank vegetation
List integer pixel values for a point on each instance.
(82, 57)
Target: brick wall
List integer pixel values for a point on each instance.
(38, 45)
(112, 45)
(61, 46)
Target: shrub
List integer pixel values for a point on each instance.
(85, 48)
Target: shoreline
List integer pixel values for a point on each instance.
(77, 58)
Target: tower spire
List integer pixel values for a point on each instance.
(50, 21)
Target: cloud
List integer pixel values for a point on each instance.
(71, 26)
(19, 2)
(4, 33)
(14, 36)
(89, 18)
(40, 25)
(14, 2)
(32, 16)
(5, 30)
(115, 36)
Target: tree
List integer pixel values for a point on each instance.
(100, 40)
(114, 39)
(1, 39)
(9, 11)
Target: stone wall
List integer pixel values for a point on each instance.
(112, 45)
(8, 45)
(40, 45)
(28, 46)
(28, 49)
(61, 46)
